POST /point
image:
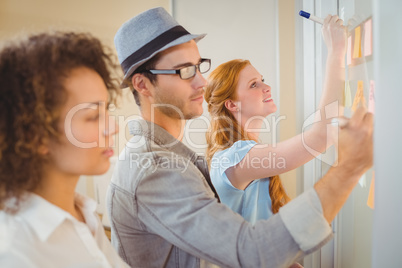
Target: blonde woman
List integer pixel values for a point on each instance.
(244, 171)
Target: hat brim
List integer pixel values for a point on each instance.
(181, 40)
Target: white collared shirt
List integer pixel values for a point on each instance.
(42, 235)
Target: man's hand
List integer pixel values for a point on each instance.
(355, 154)
(355, 148)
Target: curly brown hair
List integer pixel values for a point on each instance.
(33, 71)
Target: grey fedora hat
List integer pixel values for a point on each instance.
(145, 35)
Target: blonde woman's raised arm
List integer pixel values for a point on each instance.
(267, 160)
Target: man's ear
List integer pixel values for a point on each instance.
(231, 106)
(141, 84)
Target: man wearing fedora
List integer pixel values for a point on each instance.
(163, 208)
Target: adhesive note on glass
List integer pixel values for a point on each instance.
(368, 38)
(357, 52)
(371, 105)
(349, 51)
(370, 199)
(347, 95)
(359, 99)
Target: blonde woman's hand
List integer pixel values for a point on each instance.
(335, 35)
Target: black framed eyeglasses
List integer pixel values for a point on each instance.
(188, 71)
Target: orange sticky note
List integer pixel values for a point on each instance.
(371, 105)
(347, 95)
(370, 199)
(357, 52)
(368, 38)
(349, 51)
(359, 99)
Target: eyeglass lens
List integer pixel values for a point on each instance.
(188, 72)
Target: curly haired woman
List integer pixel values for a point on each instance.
(54, 127)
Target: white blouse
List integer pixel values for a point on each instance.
(41, 235)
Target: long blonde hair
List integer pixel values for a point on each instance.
(224, 129)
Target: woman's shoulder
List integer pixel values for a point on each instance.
(11, 228)
(231, 156)
(238, 146)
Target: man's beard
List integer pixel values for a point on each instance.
(172, 107)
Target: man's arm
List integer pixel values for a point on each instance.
(355, 156)
(179, 207)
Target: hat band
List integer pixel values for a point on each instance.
(152, 46)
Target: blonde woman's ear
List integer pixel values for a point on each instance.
(231, 106)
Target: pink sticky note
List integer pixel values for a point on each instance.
(371, 106)
(368, 38)
(349, 52)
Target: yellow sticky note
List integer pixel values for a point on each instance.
(349, 51)
(368, 38)
(357, 52)
(359, 99)
(370, 199)
(347, 95)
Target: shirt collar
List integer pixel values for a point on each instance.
(161, 137)
(44, 217)
(85, 203)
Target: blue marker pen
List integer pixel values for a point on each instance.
(311, 17)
